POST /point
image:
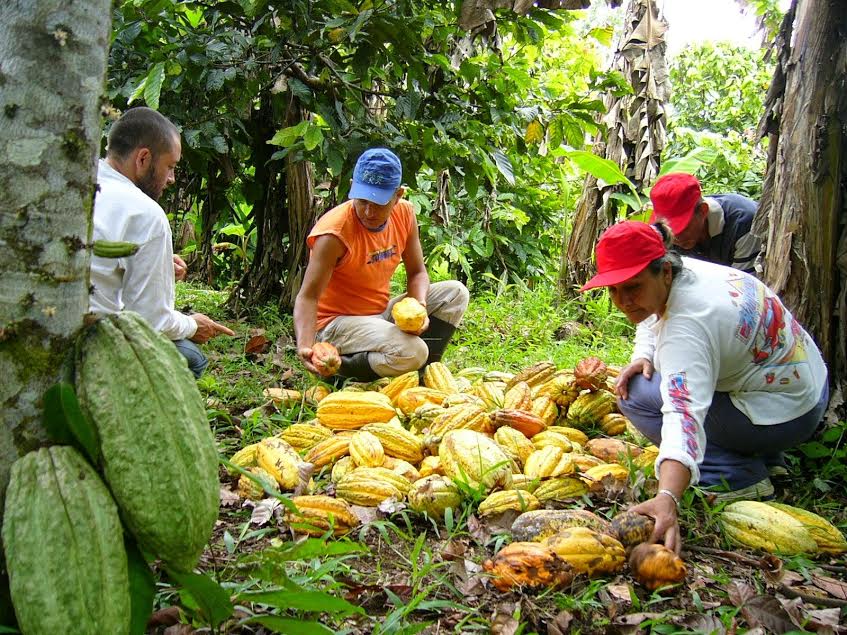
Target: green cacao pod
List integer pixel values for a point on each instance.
(588, 409)
(157, 452)
(64, 547)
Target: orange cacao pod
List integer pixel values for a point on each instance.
(527, 564)
(590, 373)
(325, 358)
(654, 566)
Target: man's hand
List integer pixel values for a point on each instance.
(180, 268)
(207, 328)
(643, 366)
(305, 355)
(423, 328)
(662, 509)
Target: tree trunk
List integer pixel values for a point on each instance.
(803, 211)
(52, 69)
(634, 138)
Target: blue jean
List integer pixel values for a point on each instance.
(738, 452)
(197, 361)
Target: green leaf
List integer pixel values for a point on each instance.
(65, 421)
(211, 598)
(142, 588)
(602, 35)
(289, 136)
(815, 450)
(504, 166)
(153, 85)
(291, 626)
(313, 137)
(600, 168)
(312, 601)
(689, 163)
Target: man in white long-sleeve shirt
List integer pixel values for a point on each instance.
(143, 150)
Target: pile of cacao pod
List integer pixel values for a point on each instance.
(537, 438)
(151, 471)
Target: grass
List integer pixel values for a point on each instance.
(394, 568)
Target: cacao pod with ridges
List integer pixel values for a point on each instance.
(560, 489)
(366, 450)
(543, 523)
(475, 459)
(302, 436)
(590, 373)
(397, 441)
(433, 495)
(328, 451)
(546, 408)
(533, 375)
(413, 398)
(157, 452)
(251, 490)
(527, 565)
(409, 315)
(400, 383)
(506, 500)
(317, 514)
(827, 536)
(345, 410)
(325, 359)
(522, 421)
(760, 526)
(438, 377)
(589, 408)
(588, 551)
(281, 461)
(514, 444)
(518, 397)
(64, 547)
(632, 528)
(549, 462)
(656, 566)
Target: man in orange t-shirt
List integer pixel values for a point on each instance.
(355, 249)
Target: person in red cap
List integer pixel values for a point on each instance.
(722, 376)
(714, 228)
(355, 248)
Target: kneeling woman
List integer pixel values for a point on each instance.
(736, 378)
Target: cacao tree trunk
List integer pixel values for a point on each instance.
(52, 70)
(633, 139)
(803, 211)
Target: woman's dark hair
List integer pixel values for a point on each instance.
(141, 128)
(655, 267)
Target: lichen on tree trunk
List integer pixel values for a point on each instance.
(52, 71)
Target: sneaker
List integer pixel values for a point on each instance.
(762, 490)
(777, 470)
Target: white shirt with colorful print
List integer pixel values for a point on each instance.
(725, 331)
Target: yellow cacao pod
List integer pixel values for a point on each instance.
(328, 451)
(369, 486)
(549, 462)
(761, 526)
(250, 489)
(409, 315)
(431, 466)
(544, 407)
(403, 468)
(438, 377)
(397, 441)
(655, 566)
(366, 450)
(613, 473)
(589, 408)
(351, 410)
(316, 515)
(533, 375)
(518, 397)
(491, 393)
(413, 398)
(283, 396)
(302, 436)
(576, 436)
(462, 398)
(316, 393)
(827, 536)
(342, 468)
(433, 495)
(560, 388)
(281, 461)
(523, 482)
(552, 439)
(461, 417)
(505, 500)
(543, 523)
(399, 384)
(244, 458)
(613, 424)
(560, 489)
(588, 551)
(514, 443)
(475, 459)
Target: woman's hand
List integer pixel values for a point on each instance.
(662, 509)
(643, 366)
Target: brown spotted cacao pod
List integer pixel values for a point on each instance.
(588, 551)
(538, 525)
(655, 566)
(527, 565)
(632, 528)
(590, 373)
(325, 358)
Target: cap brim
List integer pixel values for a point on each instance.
(370, 193)
(677, 223)
(613, 277)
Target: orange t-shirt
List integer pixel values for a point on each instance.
(360, 281)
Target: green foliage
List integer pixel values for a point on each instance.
(717, 101)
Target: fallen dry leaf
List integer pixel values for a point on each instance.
(739, 592)
(263, 511)
(267, 408)
(478, 530)
(768, 613)
(836, 588)
(391, 506)
(703, 624)
(257, 345)
(560, 624)
(454, 550)
(364, 514)
(503, 621)
(167, 616)
(228, 497)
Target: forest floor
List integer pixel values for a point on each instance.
(401, 573)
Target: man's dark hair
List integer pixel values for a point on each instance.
(141, 127)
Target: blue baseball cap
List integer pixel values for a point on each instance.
(377, 176)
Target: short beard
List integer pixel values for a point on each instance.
(147, 183)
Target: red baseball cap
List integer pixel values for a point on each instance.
(624, 250)
(674, 196)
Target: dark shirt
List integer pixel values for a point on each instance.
(734, 246)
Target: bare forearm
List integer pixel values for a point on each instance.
(674, 477)
(305, 319)
(417, 286)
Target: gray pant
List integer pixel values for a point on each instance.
(738, 452)
(393, 352)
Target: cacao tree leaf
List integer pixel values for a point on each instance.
(504, 166)
(312, 601)
(290, 626)
(142, 588)
(66, 423)
(153, 85)
(211, 598)
(312, 138)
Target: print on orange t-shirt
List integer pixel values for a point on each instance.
(359, 284)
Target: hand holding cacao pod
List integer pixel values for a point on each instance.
(325, 359)
(409, 315)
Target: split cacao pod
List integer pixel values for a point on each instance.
(157, 452)
(64, 547)
(528, 565)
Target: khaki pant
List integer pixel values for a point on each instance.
(393, 352)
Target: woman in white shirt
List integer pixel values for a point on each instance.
(722, 377)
